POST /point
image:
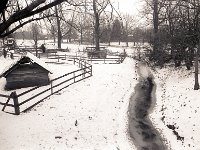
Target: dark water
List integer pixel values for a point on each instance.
(141, 130)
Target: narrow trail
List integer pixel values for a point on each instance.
(141, 130)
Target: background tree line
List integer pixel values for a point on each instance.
(175, 32)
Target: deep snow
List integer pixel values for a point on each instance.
(88, 115)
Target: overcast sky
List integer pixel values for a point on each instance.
(129, 6)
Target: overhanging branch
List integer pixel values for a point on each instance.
(21, 25)
(29, 11)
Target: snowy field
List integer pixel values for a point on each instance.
(91, 114)
(177, 109)
(87, 115)
(74, 48)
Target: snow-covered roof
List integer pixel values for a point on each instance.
(36, 60)
(33, 59)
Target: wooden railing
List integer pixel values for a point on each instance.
(26, 100)
(112, 60)
(59, 57)
(9, 103)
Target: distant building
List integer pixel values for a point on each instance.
(26, 72)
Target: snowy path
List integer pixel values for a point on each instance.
(143, 133)
(88, 115)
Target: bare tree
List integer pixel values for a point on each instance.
(98, 8)
(35, 34)
(129, 25)
(58, 27)
(23, 15)
(96, 25)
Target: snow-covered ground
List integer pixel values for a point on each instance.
(177, 109)
(91, 114)
(73, 48)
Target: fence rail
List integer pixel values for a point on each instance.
(116, 60)
(30, 99)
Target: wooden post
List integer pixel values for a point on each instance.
(6, 103)
(16, 103)
(65, 57)
(91, 70)
(84, 70)
(51, 87)
(74, 61)
(74, 77)
(83, 64)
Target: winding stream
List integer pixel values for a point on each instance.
(141, 130)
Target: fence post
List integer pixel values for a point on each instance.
(91, 70)
(16, 103)
(85, 64)
(58, 57)
(83, 67)
(74, 77)
(51, 87)
(74, 61)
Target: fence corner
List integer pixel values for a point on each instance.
(16, 103)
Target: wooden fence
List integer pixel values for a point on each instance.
(26, 100)
(114, 60)
(59, 57)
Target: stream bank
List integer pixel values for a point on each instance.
(141, 129)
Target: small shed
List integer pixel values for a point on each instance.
(28, 71)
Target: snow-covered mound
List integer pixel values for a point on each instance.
(177, 109)
(143, 70)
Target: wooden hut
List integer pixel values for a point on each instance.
(26, 72)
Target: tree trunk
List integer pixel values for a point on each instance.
(126, 41)
(54, 39)
(109, 38)
(96, 26)
(155, 24)
(70, 30)
(59, 30)
(36, 46)
(196, 85)
(81, 35)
